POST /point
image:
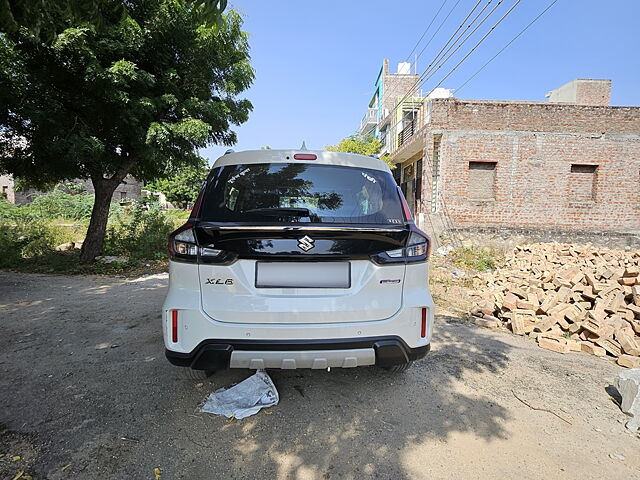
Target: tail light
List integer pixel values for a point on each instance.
(418, 249)
(184, 247)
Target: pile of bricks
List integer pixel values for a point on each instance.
(567, 297)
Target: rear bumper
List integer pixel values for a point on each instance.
(221, 354)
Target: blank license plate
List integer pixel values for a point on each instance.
(303, 274)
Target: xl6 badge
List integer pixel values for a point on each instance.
(219, 281)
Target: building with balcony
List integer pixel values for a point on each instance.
(389, 89)
(569, 166)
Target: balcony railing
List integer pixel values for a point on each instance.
(369, 120)
(406, 133)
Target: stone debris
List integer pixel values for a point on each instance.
(568, 297)
(628, 385)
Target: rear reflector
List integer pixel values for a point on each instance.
(174, 326)
(305, 156)
(423, 330)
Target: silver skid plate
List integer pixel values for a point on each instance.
(315, 359)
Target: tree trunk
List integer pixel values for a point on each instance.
(94, 241)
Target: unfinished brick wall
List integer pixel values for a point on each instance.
(559, 167)
(395, 86)
(593, 92)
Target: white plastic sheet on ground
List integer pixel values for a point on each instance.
(244, 399)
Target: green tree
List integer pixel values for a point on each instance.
(364, 145)
(182, 187)
(46, 18)
(368, 145)
(140, 94)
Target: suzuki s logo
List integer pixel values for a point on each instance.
(305, 243)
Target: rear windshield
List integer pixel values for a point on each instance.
(301, 192)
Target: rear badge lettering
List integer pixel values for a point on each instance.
(369, 177)
(219, 281)
(394, 280)
(394, 220)
(306, 243)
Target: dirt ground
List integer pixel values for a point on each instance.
(71, 408)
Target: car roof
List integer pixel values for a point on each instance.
(286, 156)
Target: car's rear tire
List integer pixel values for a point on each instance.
(192, 374)
(399, 368)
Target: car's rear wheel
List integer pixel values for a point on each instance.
(399, 368)
(192, 374)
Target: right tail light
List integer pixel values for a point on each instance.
(418, 249)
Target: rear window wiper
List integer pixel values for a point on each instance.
(291, 211)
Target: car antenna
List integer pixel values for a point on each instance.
(303, 148)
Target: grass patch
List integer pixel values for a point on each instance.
(68, 263)
(29, 235)
(479, 259)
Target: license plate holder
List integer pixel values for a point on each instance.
(303, 275)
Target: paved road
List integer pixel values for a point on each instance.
(121, 411)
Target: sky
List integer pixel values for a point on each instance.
(316, 62)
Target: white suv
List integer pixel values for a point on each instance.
(298, 259)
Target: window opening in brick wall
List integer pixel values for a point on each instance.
(582, 183)
(482, 181)
(435, 172)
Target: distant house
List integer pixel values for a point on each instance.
(129, 189)
(569, 164)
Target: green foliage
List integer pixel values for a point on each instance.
(55, 205)
(44, 19)
(480, 259)
(58, 204)
(182, 187)
(143, 93)
(23, 239)
(27, 241)
(140, 235)
(115, 93)
(369, 145)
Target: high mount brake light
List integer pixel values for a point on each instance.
(305, 156)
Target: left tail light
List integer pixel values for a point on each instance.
(184, 247)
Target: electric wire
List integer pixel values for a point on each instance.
(506, 46)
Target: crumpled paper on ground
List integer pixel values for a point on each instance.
(244, 399)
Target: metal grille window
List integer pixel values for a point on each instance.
(582, 182)
(482, 180)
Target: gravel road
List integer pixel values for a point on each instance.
(85, 392)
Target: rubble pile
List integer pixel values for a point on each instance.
(567, 297)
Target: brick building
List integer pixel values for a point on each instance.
(566, 166)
